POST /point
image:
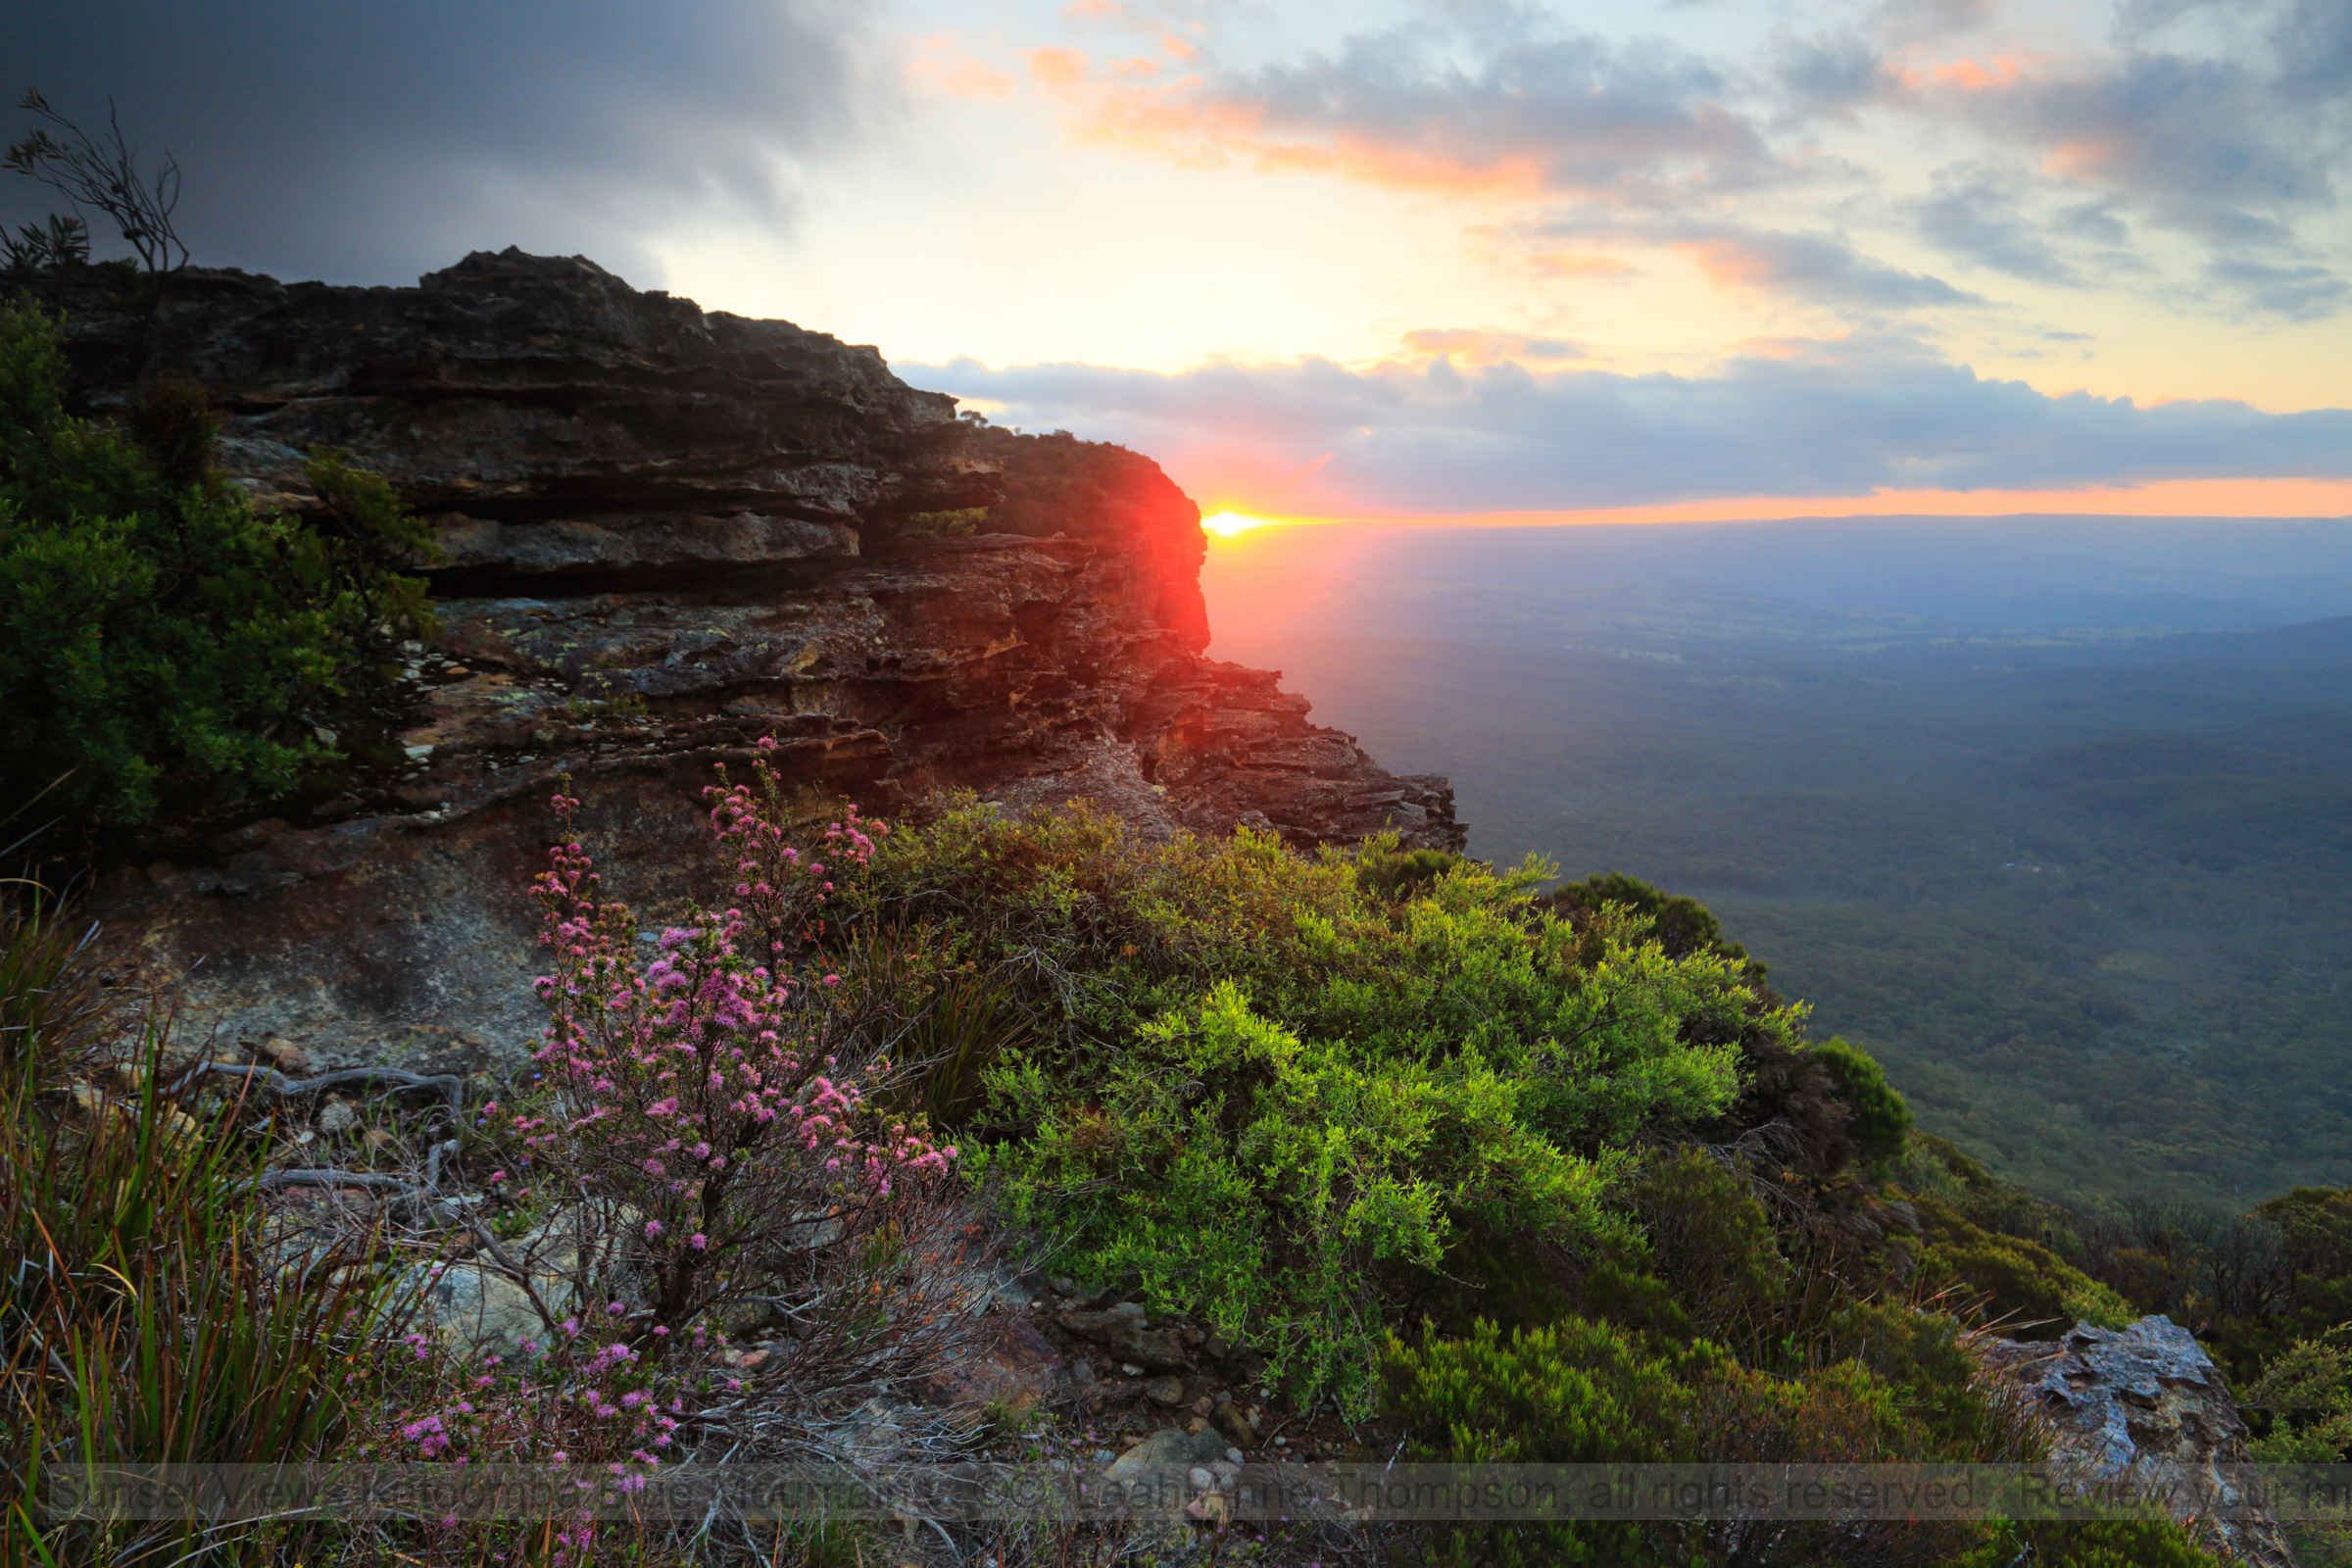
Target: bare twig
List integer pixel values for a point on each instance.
(402, 1081)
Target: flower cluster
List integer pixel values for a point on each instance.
(697, 1090)
(706, 1125)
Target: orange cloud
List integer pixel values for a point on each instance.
(1967, 75)
(1054, 66)
(950, 72)
(1577, 264)
(1165, 120)
(1093, 10)
(1177, 48)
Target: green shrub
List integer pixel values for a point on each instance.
(1880, 1118)
(172, 654)
(1262, 1091)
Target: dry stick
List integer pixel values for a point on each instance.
(447, 1083)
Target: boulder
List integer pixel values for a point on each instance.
(2146, 1400)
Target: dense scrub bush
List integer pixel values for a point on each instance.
(166, 652)
(1582, 1393)
(1264, 1090)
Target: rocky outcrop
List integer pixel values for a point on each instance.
(2147, 1402)
(665, 533)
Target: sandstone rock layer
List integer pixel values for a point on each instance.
(667, 533)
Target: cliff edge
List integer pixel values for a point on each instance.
(665, 533)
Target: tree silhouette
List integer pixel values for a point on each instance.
(104, 173)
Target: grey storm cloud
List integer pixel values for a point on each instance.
(367, 143)
(1829, 420)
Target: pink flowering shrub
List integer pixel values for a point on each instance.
(701, 1095)
(709, 1139)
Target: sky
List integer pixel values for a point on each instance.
(1617, 261)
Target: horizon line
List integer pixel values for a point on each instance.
(2203, 500)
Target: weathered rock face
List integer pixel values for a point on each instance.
(668, 534)
(2146, 1401)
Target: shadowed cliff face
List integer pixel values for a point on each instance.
(665, 534)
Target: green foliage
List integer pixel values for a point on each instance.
(1393, 873)
(2021, 1281)
(1880, 1118)
(168, 652)
(1577, 1391)
(1682, 925)
(1267, 1094)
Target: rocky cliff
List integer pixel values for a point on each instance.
(665, 533)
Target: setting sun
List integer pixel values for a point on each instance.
(1225, 524)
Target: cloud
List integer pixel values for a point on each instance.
(1475, 346)
(1054, 66)
(1791, 418)
(1485, 100)
(1973, 215)
(1815, 268)
(1832, 76)
(939, 66)
(2302, 293)
(2204, 145)
(369, 143)
(1819, 267)
(1915, 21)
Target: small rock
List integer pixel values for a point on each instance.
(1164, 1450)
(1199, 1479)
(1082, 1371)
(1166, 1390)
(1195, 1426)
(287, 1058)
(1131, 1369)
(1062, 1285)
(1126, 1330)
(337, 1116)
(1227, 1470)
(1236, 1426)
(1204, 1404)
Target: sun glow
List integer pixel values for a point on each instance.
(1225, 524)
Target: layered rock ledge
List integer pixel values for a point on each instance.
(667, 533)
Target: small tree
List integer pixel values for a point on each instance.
(104, 173)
